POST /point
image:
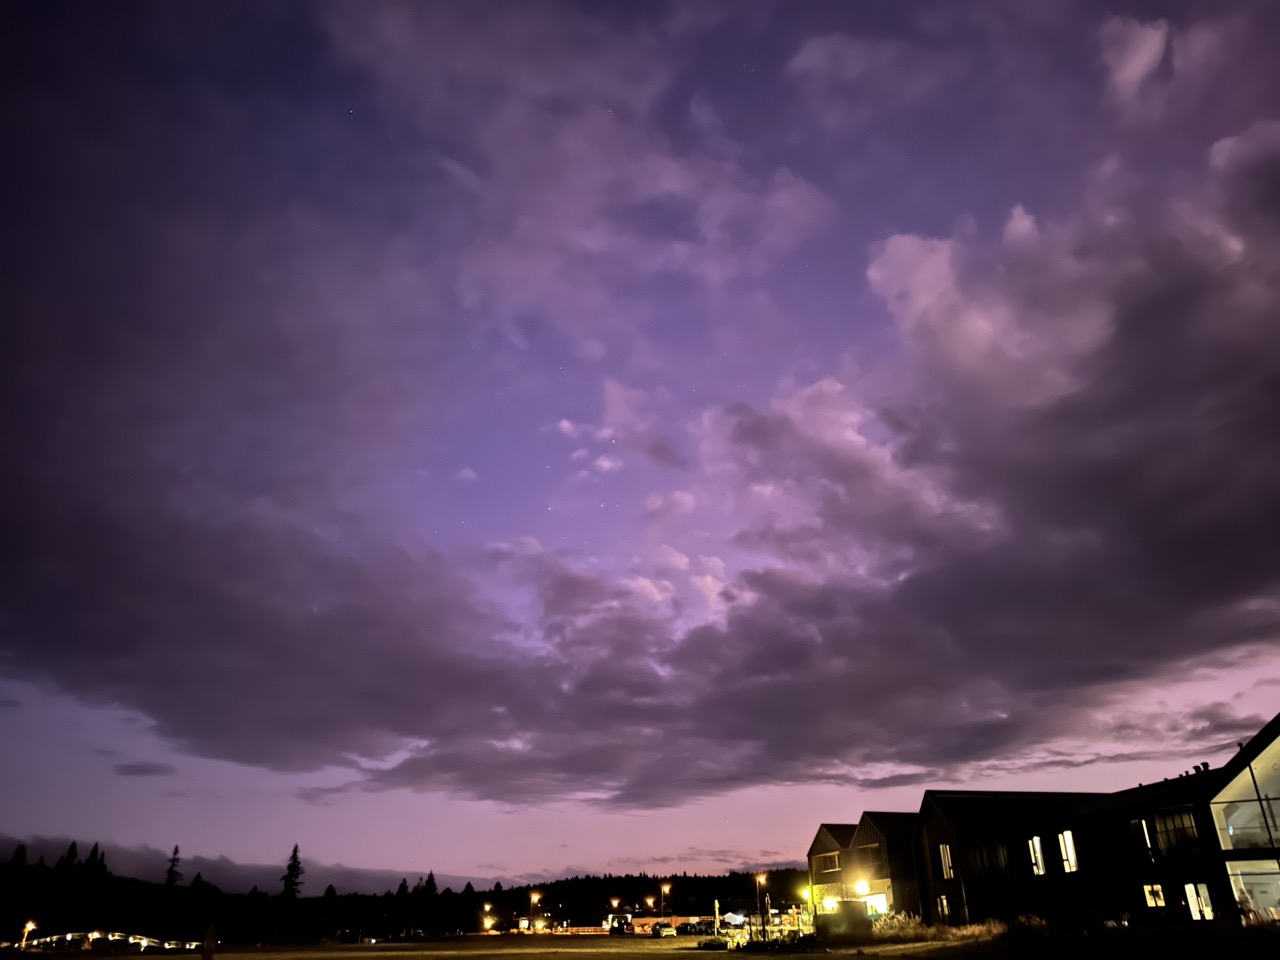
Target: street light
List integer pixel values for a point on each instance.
(808, 902)
(662, 900)
(26, 929)
(764, 929)
(649, 901)
(533, 899)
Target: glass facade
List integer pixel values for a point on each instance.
(1256, 885)
(1245, 812)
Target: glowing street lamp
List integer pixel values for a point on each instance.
(649, 901)
(615, 901)
(764, 929)
(26, 929)
(533, 900)
(662, 900)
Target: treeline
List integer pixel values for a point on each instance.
(77, 895)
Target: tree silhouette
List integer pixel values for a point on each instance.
(19, 858)
(292, 878)
(431, 888)
(69, 859)
(173, 874)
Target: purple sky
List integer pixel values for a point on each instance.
(522, 438)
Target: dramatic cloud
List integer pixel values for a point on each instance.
(539, 403)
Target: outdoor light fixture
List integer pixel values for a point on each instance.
(533, 899)
(662, 900)
(862, 888)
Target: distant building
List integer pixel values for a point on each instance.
(1202, 846)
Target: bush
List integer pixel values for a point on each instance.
(908, 928)
(713, 943)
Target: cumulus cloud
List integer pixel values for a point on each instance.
(1066, 482)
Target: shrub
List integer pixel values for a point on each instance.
(908, 928)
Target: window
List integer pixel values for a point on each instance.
(828, 862)
(1198, 901)
(1175, 828)
(1037, 856)
(1155, 895)
(944, 854)
(944, 908)
(869, 858)
(1067, 844)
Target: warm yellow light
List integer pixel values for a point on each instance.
(862, 888)
(535, 897)
(488, 923)
(649, 901)
(805, 893)
(488, 907)
(666, 888)
(830, 903)
(29, 926)
(615, 901)
(761, 878)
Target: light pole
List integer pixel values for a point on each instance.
(533, 899)
(808, 902)
(764, 931)
(662, 900)
(26, 929)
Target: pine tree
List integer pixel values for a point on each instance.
(432, 889)
(292, 878)
(403, 889)
(330, 892)
(173, 875)
(19, 858)
(69, 859)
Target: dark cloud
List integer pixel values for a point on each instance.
(226, 347)
(144, 768)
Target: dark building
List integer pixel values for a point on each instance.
(1201, 846)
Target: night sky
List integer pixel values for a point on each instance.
(518, 439)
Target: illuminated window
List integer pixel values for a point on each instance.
(1198, 901)
(1037, 856)
(944, 854)
(1067, 844)
(1155, 895)
(828, 862)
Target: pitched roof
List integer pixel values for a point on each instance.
(840, 836)
(893, 826)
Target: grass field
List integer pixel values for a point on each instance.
(533, 948)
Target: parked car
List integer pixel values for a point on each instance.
(662, 930)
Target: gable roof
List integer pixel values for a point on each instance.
(891, 826)
(838, 836)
